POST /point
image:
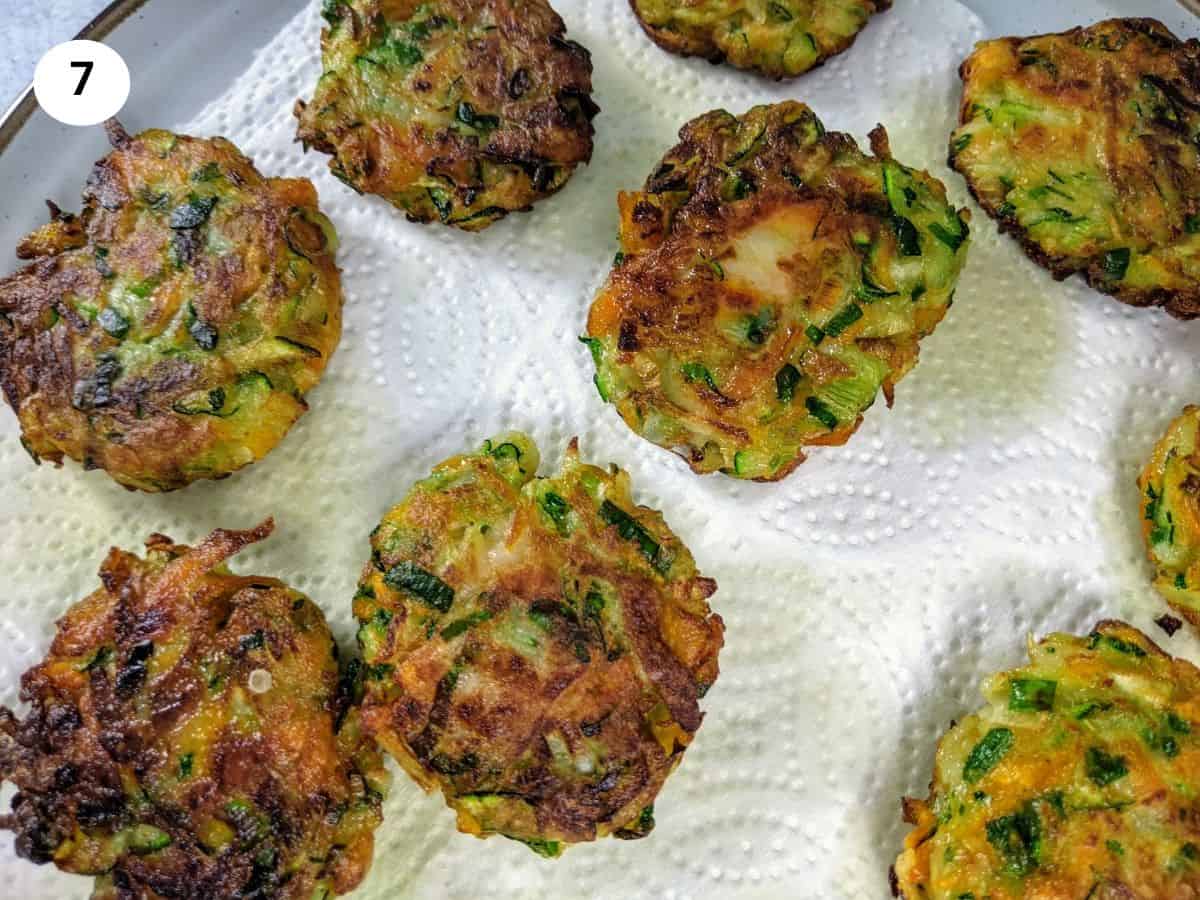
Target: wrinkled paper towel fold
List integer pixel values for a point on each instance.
(865, 596)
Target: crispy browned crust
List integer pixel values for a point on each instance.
(1180, 304)
(1074, 850)
(681, 279)
(685, 45)
(132, 761)
(1169, 484)
(508, 60)
(135, 395)
(1183, 72)
(559, 687)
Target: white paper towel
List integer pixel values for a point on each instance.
(865, 596)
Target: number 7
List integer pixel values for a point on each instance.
(86, 65)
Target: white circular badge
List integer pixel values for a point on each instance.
(81, 82)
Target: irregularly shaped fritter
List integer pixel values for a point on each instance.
(1077, 780)
(1170, 486)
(458, 111)
(779, 39)
(1083, 146)
(171, 331)
(534, 647)
(190, 737)
(772, 278)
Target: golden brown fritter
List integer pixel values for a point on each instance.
(772, 280)
(1077, 780)
(171, 331)
(1083, 146)
(1170, 486)
(534, 647)
(455, 111)
(191, 736)
(776, 38)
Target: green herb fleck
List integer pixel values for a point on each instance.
(542, 847)
(458, 626)
(631, 530)
(906, 236)
(210, 171)
(987, 753)
(556, 508)
(467, 114)
(1018, 839)
(952, 239)
(1115, 643)
(1104, 768)
(1116, 263)
(1031, 694)
(694, 372)
(101, 658)
(425, 586)
(822, 413)
(786, 380)
(843, 319)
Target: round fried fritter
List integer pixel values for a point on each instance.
(1170, 486)
(535, 647)
(190, 736)
(170, 332)
(1083, 146)
(779, 38)
(1077, 780)
(458, 111)
(772, 278)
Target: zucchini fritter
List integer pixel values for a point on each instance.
(534, 647)
(1078, 779)
(171, 331)
(779, 39)
(772, 279)
(1170, 486)
(1083, 146)
(190, 736)
(455, 111)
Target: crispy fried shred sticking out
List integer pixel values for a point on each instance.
(772, 280)
(1083, 146)
(1170, 487)
(170, 331)
(534, 647)
(190, 736)
(778, 39)
(455, 111)
(1077, 780)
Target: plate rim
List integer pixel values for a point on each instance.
(18, 112)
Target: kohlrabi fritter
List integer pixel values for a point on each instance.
(1077, 780)
(170, 332)
(191, 735)
(1170, 487)
(1084, 146)
(772, 280)
(536, 648)
(779, 39)
(455, 111)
